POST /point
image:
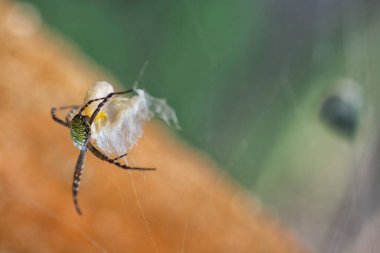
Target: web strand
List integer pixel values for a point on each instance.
(149, 231)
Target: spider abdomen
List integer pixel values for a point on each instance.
(80, 130)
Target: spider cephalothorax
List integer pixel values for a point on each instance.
(80, 130)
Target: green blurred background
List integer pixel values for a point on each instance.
(281, 93)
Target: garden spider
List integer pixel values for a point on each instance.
(80, 126)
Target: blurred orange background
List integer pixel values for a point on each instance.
(187, 205)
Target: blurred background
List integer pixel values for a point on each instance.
(282, 94)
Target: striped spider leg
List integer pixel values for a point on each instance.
(80, 126)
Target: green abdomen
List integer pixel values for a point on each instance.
(80, 131)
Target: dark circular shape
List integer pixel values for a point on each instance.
(341, 114)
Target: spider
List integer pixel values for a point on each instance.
(80, 126)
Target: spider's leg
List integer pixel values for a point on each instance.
(71, 113)
(101, 104)
(103, 157)
(54, 110)
(117, 158)
(77, 176)
(104, 100)
(88, 103)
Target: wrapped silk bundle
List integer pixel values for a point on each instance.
(119, 124)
